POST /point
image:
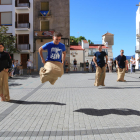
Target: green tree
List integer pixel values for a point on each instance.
(8, 41)
(90, 42)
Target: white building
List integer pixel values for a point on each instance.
(18, 16)
(137, 55)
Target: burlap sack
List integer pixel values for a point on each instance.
(121, 74)
(100, 76)
(4, 88)
(51, 71)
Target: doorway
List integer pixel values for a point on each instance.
(24, 59)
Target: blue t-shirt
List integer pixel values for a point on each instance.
(121, 61)
(54, 51)
(100, 58)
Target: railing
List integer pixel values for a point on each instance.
(22, 4)
(22, 25)
(23, 47)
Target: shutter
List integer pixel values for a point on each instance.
(23, 1)
(20, 18)
(26, 39)
(45, 26)
(26, 18)
(44, 6)
(20, 39)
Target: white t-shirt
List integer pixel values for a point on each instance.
(29, 64)
(131, 61)
(92, 62)
(109, 63)
(134, 62)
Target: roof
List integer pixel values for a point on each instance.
(96, 47)
(107, 34)
(85, 41)
(76, 47)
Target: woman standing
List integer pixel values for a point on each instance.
(133, 64)
(110, 65)
(20, 69)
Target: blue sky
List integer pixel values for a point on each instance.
(93, 18)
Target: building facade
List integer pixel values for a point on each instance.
(137, 52)
(86, 51)
(50, 16)
(17, 15)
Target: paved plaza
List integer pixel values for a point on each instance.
(72, 109)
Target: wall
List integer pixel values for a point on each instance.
(59, 20)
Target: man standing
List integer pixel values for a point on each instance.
(121, 63)
(87, 66)
(29, 66)
(53, 68)
(5, 64)
(100, 66)
(75, 64)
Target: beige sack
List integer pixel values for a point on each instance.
(4, 87)
(121, 74)
(100, 76)
(51, 71)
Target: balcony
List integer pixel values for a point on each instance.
(44, 15)
(22, 6)
(22, 26)
(23, 47)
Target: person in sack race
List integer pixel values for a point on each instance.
(53, 67)
(100, 66)
(121, 63)
(5, 65)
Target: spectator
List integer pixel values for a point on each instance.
(12, 73)
(87, 66)
(75, 64)
(17, 67)
(93, 65)
(133, 65)
(110, 65)
(29, 66)
(21, 69)
(127, 63)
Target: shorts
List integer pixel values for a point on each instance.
(87, 67)
(75, 66)
(29, 67)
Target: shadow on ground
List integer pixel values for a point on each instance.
(102, 112)
(118, 87)
(38, 103)
(14, 85)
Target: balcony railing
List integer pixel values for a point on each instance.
(23, 47)
(22, 4)
(22, 25)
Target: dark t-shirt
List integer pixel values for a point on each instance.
(100, 58)
(121, 61)
(87, 64)
(75, 62)
(5, 61)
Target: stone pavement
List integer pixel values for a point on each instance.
(72, 109)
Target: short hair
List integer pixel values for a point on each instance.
(100, 46)
(57, 34)
(2, 44)
(122, 50)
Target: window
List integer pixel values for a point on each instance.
(44, 6)
(6, 19)
(44, 25)
(6, 2)
(23, 39)
(91, 52)
(23, 18)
